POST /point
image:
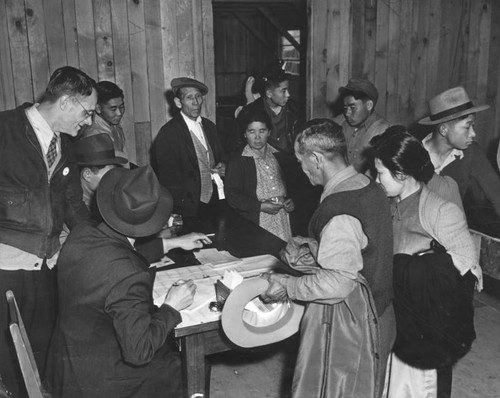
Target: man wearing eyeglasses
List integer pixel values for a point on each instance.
(109, 112)
(39, 191)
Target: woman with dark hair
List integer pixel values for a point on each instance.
(435, 271)
(273, 86)
(254, 183)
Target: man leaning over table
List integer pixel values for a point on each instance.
(39, 191)
(110, 340)
(95, 156)
(348, 327)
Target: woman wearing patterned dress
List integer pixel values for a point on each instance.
(254, 183)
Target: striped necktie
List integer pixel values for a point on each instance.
(52, 151)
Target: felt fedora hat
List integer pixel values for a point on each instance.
(180, 82)
(133, 202)
(245, 335)
(450, 104)
(97, 150)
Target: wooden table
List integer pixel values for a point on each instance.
(242, 239)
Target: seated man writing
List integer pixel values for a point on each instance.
(110, 340)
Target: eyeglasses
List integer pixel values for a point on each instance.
(88, 113)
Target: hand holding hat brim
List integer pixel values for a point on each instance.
(245, 335)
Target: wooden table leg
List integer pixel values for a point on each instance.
(196, 368)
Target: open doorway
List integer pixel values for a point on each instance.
(248, 36)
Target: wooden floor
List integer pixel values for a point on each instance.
(266, 372)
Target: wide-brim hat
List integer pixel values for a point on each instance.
(246, 335)
(360, 86)
(180, 82)
(97, 150)
(450, 104)
(132, 202)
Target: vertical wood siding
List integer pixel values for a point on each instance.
(141, 45)
(411, 50)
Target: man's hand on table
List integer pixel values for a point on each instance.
(193, 240)
(276, 292)
(181, 294)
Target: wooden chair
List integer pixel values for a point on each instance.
(23, 350)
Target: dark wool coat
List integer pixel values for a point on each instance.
(110, 339)
(434, 311)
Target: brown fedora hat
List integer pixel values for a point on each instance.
(450, 104)
(97, 150)
(133, 202)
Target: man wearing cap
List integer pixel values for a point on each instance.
(109, 112)
(110, 340)
(348, 327)
(361, 123)
(187, 153)
(39, 191)
(454, 153)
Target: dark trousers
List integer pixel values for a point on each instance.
(35, 293)
(444, 380)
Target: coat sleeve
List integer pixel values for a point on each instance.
(340, 260)
(75, 210)
(450, 229)
(168, 163)
(237, 193)
(139, 329)
(487, 179)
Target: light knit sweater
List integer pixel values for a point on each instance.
(446, 223)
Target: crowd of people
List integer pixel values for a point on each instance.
(376, 225)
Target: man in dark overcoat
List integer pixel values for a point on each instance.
(110, 340)
(187, 154)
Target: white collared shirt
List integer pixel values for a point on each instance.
(450, 158)
(195, 127)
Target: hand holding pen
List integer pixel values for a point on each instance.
(181, 294)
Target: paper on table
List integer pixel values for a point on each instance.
(163, 262)
(215, 257)
(205, 277)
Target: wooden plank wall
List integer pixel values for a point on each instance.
(239, 53)
(139, 44)
(411, 50)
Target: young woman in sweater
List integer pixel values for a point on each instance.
(435, 271)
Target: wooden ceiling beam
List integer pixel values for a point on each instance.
(269, 16)
(253, 31)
